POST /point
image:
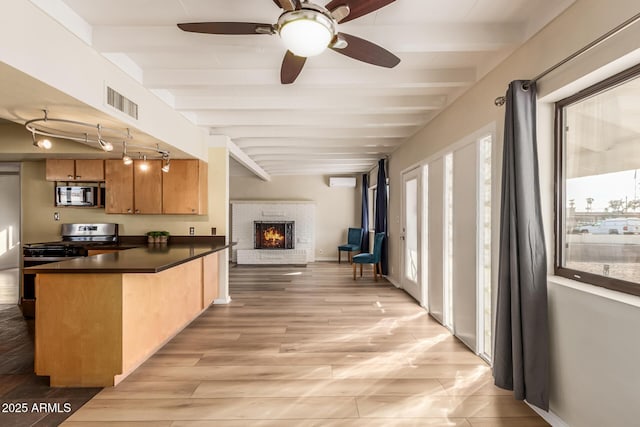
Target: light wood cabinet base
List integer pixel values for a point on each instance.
(92, 330)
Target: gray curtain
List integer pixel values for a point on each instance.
(364, 214)
(521, 353)
(381, 213)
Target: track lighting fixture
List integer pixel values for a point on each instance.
(125, 157)
(41, 143)
(167, 165)
(96, 136)
(105, 145)
(144, 166)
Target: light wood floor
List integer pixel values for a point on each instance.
(310, 347)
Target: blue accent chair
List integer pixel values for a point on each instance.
(373, 258)
(354, 240)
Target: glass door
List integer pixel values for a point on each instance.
(411, 227)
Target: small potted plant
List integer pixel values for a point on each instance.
(153, 237)
(163, 237)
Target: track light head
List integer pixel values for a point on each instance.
(44, 143)
(167, 165)
(41, 143)
(105, 145)
(144, 166)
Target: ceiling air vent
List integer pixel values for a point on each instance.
(122, 103)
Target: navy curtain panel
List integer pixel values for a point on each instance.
(365, 213)
(381, 213)
(521, 354)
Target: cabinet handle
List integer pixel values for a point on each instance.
(128, 210)
(193, 210)
(78, 177)
(70, 176)
(137, 210)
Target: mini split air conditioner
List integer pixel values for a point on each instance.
(342, 181)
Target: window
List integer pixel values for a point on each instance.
(448, 241)
(484, 247)
(598, 184)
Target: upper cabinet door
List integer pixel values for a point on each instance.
(118, 187)
(184, 188)
(147, 186)
(75, 170)
(60, 170)
(90, 170)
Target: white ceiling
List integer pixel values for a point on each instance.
(341, 115)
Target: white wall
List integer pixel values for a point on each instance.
(336, 208)
(594, 341)
(47, 51)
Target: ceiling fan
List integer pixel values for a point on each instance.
(307, 29)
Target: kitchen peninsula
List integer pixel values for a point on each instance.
(100, 317)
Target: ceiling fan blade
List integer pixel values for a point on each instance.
(365, 51)
(291, 67)
(288, 5)
(227, 28)
(357, 8)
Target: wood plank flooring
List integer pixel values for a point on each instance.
(309, 347)
(19, 384)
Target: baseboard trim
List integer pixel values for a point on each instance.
(326, 259)
(225, 300)
(549, 417)
(393, 282)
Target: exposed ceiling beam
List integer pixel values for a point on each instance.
(317, 133)
(359, 104)
(317, 90)
(300, 118)
(352, 157)
(326, 141)
(311, 170)
(374, 77)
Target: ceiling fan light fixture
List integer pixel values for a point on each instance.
(306, 32)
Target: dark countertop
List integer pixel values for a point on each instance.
(148, 259)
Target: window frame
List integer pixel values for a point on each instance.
(615, 284)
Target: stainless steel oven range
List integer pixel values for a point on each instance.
(75, 240)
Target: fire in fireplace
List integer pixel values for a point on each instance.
(274, 234)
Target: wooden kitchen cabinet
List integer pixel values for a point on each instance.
(147, 187)
(184, 188)
(129, 189)
(84, 170)
(60, 169)
(90, 170)
(118, 187)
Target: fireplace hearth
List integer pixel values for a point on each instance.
(274, 234)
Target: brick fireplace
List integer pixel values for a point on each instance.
(272, 216)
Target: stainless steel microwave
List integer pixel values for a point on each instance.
(76, 196)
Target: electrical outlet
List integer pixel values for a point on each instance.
(56, 216)
(192, 231)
